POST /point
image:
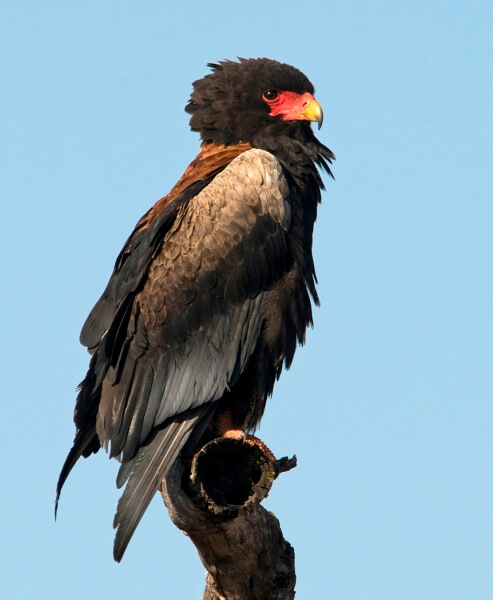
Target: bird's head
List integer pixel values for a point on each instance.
(252, 99)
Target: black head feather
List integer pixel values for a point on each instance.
(227, 106)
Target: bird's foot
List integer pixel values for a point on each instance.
(224, 427)
(238, 434)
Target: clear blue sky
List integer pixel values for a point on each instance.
(388, 407)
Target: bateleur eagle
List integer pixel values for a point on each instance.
(210, 294)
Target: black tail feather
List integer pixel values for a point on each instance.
(81, 443)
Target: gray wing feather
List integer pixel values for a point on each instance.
(146, 473)
(171, 367)
(194, 325)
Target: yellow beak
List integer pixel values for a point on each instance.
(312, 111)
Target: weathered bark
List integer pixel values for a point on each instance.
(215, 500)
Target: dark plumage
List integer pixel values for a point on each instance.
(210, 294)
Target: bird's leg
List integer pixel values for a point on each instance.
(223, 426)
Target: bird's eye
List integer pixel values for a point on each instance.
(270, 95)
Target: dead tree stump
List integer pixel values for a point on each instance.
(215, 500)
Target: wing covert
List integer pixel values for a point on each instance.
(195, 321)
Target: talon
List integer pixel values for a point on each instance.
(238, 434)
(224, 427)
(235, 434)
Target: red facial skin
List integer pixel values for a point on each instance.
(289, 105)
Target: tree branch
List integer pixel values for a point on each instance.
(215, 500)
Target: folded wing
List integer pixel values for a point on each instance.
(178, 323)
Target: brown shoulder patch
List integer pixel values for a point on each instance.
(210, 159)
